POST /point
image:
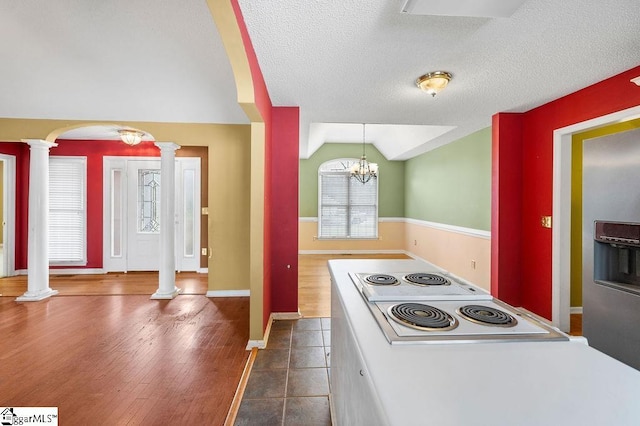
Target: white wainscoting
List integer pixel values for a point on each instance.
(462, 251)
(465, 252)
(390, 239)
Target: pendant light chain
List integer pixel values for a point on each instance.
(363, 171)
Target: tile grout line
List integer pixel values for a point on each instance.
(286, 380)
(289, 365)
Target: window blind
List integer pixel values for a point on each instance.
(67, 210)
(347, 208)
(363, 208)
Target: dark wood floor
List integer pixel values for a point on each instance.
(124, 359)
(113, 283)
(576, 325)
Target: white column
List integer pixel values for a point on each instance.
(167, 273)
(38, 223)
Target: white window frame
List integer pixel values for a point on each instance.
(81, 259)
(342, 166)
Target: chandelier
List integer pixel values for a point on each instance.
(131, 136)
(363, 171)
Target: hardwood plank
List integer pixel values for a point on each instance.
(314, 280)
(125, 359)
(575, 324)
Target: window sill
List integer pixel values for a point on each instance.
(67, 264)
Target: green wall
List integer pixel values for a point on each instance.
(390, 182)
(452, 184)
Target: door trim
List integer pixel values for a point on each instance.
(561, 230)
(9, 214)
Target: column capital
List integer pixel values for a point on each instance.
(39, 143)
(167, 146)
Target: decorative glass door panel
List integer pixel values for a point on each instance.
(149, 201)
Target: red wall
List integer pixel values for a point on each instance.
(21, 152)
(94, 151)
(280, 291)
(506, 203)
(532, 282)
(284, 209)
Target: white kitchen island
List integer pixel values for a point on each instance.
(507, 383)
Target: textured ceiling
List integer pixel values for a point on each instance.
(356, 61)
(347, 61)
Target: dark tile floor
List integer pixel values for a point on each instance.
(289, 381)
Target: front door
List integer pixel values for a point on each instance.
(132, 214)
(143, 215)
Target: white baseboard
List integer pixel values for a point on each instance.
(261, 344)
(88, 271)
(285, 315)
(227, 293)
(576, 310)
(77, 271)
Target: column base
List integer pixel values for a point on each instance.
(160, 295)
(36, 296)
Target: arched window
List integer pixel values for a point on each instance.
(347, 208)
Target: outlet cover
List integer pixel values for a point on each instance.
(546, 221)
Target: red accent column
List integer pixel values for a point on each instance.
(284, 209)
(506, 207)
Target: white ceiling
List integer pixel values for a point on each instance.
(115, 60)
(341, 62)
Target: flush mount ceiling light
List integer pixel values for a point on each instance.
(131, 136)
(434, 82)
(363, 171)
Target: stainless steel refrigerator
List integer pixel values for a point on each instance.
(611, 245)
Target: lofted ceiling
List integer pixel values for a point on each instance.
(344, 63)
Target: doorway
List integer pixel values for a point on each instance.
(131, 223)
(7, 214)
(561, 231)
